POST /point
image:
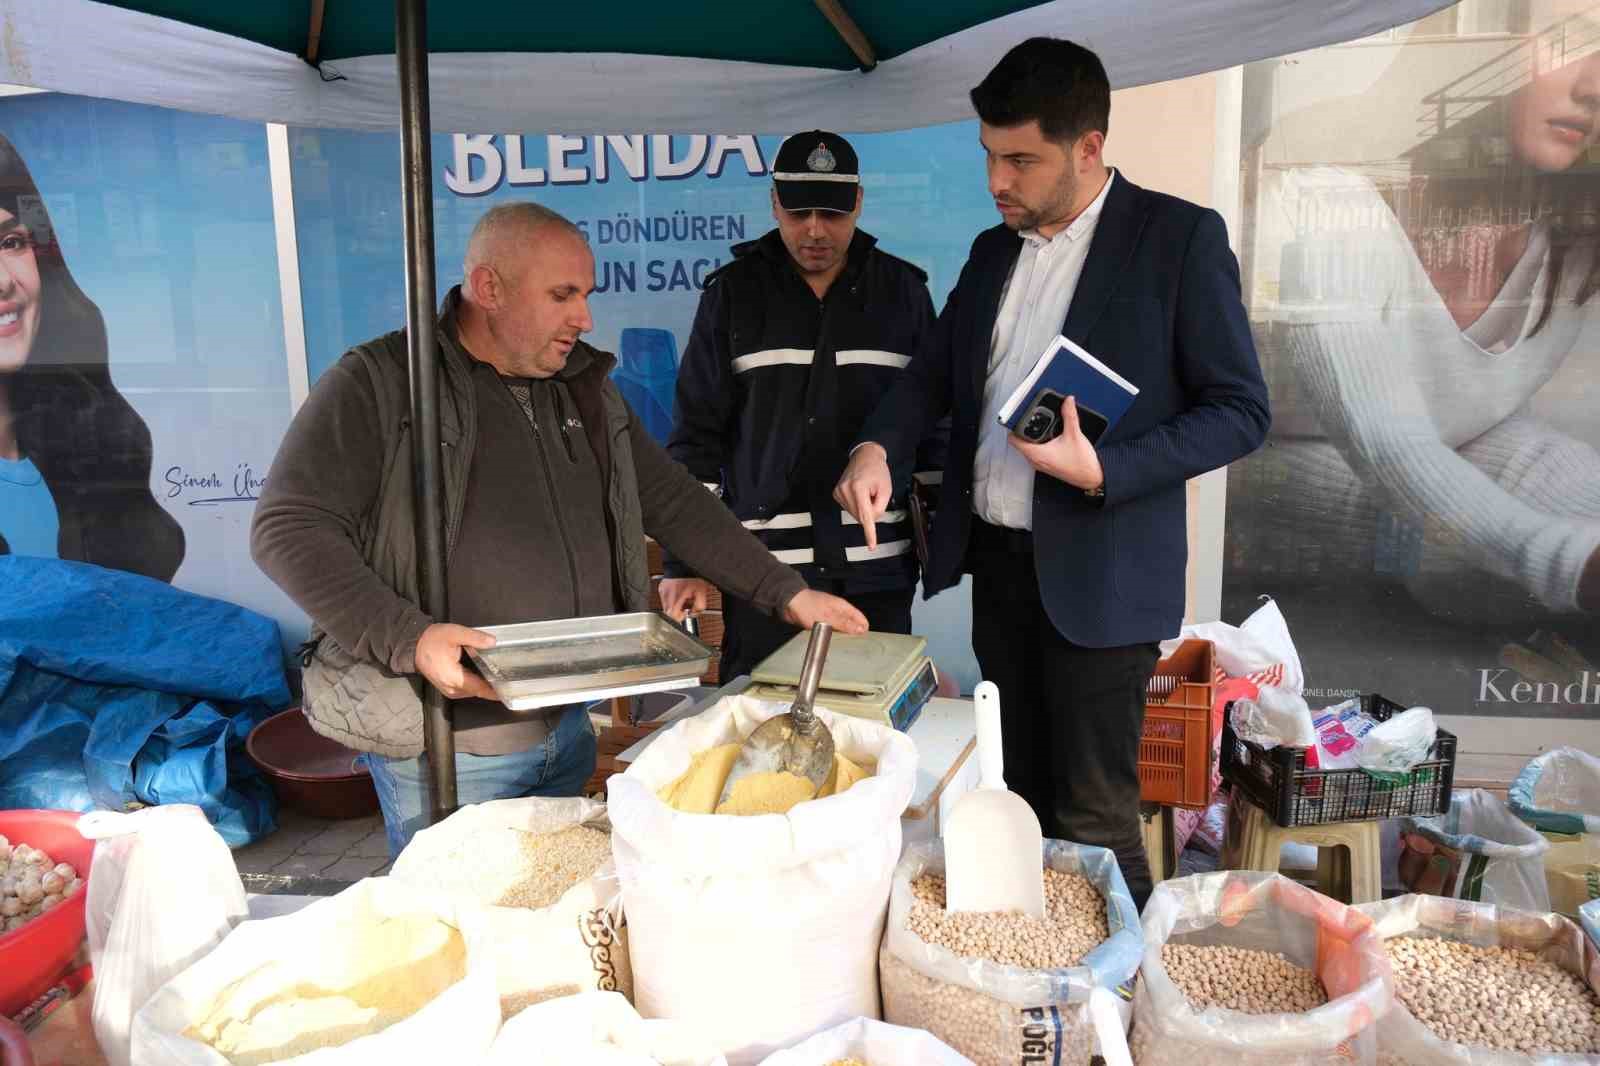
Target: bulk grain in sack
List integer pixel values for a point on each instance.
(1480, 985)
(868, 1042)
(1004, 988)
(383, 974)
(764, 929)
(596, 1029)
(541, 869)
(1249, 969)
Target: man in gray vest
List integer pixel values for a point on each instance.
(551, 485)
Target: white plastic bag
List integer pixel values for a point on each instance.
(998, 1014)
(1404, 1041)
(759, 930)
(597, 1029)
(576, 944)
(1392, 748)
(1259, 649)
(332, 946)
(1501, 857)
(1559, 792)
(1261, 912)
(1274, 717)
(163, 891)
(874, 1042)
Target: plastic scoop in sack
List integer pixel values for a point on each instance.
(993, 846)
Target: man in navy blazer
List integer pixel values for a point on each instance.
(1077, 549)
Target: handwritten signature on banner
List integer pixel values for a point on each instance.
(211, 489)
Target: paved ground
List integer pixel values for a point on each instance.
(314, 856)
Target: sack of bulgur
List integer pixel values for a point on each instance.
(541, 870)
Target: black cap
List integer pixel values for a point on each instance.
(816, 171)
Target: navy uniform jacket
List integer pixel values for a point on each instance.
(1158, 302)
(774, 388)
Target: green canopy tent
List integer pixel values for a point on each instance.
(503, 65)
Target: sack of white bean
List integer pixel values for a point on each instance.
(1004, 988)
(596, 1029)
(541, 869)
(1480, 985)
(759, 930)
(871, 1042)
(1251, 969)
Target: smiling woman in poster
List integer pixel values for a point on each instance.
(74, 455)
(1420, 346)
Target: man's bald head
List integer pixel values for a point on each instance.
(525, 297)
(508, 232)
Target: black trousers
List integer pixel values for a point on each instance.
(1070, 716)
(750, 635)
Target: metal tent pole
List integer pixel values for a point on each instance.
(416, 186)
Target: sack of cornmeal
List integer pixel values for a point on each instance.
(597, 1029)
(540, 869)
(759, 931)
(872, 1043)
(699, 789)
(382, 974)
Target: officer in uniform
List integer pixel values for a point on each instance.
(794, 343)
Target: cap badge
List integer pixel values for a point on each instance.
(821, 159)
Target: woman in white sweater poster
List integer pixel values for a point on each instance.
(1423, 304)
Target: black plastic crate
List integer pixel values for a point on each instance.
(1278, 782)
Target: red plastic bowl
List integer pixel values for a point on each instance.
(310, 773)
(34, 956)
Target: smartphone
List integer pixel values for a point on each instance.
(1043, 421)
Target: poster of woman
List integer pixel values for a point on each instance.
(74, 455)
(1428, 510)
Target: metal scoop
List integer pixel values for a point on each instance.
(795, 742)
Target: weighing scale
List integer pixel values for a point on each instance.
(882, 677)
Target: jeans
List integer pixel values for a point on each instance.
(557, 767)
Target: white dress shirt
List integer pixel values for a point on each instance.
(1032, 310)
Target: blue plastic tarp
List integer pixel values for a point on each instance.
(117, 689)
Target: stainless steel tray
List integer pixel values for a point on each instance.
(545, 664)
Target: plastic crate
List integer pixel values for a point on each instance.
(1175, 749)
(1278, 781)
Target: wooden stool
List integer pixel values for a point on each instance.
(1349, 866)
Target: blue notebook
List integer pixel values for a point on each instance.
(1033, 411)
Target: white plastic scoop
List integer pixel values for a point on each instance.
(993, 847)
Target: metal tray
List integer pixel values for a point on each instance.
(546, 664)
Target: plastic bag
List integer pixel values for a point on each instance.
(1260, 649)
(874, 1042)
(998, 1014)
(1261, 912)
(333, 945)
(1589, 917)
(163, 891)
(1392, 748)
(759, 930)
(1340, 732)
(1559, 792)
(576, 944)
(1274, 717)
(597, 1029)
(1404, 1041)
(1479, 851)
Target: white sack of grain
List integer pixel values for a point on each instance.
(383, 974)
(598, 1029)
(544, 878)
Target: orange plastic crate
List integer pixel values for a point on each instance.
(1175, 750)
